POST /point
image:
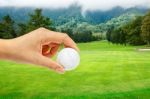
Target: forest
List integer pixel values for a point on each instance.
(128, 28)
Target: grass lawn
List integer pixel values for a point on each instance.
(106, 72)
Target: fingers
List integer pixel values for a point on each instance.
(50, 49)
(45, 49)
(68, 42)
(54, 50)
(59, 38)
(44, 61)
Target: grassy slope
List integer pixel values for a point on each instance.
(106, 71)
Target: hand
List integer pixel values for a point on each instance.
(36, 47)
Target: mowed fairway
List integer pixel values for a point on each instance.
(106, 72)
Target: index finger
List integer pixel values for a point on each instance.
(68, 42)
(58, 37)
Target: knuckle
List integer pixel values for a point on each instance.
(65, 34)
(41, 28)
(53, 67)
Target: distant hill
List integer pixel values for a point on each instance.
(103, 16)
(121, 20)
(116, 22)
(63, 16)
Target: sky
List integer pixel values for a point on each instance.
(85, 4)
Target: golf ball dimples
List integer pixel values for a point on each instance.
(68, 58)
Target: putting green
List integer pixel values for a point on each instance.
(106, 71)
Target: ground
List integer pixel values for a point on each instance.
(106, 71)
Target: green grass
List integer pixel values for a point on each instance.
(106, 72)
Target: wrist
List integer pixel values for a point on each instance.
(5, 46)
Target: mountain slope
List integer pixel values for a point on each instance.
(62, 16)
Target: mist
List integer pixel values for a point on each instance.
(85, 4)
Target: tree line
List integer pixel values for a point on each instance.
(137, 32)
(10, 29)
(82, 35)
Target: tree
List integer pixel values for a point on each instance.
(22, 29)
(129, 33)
(122, 36)
(133, 31)
(68, 31)
(146, 29)
(115, 36)
(7, 28)
(36, 20)
(108, 33)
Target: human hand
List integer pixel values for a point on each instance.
(36, 47)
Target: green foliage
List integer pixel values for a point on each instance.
(118, 30)
(146, 29)
(81, 32)
(36, 20)
(80, 35)
(7, 28)
(22, 29)
(108, 34)
(133, 30)
(83, 36)
(118, 36)
(129, 33)
(68, 31)
(63, 15)
(116, 22)
(119, 21)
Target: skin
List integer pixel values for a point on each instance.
(36, 48)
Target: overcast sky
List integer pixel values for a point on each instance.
(86, 4)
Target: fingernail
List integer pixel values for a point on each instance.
(60, 70)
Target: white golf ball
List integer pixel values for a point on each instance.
(68, 58)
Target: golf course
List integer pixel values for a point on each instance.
(106, 71)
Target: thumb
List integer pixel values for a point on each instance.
(47, 62)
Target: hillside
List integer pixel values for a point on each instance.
(102, 27)
(120, 20)
(62, 16)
